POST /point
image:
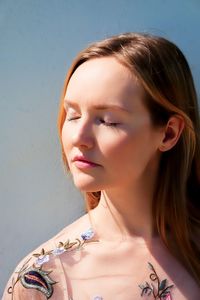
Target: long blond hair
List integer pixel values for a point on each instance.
(164, 73)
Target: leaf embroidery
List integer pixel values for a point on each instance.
(33, 276)
(162, 291)
(38, 279)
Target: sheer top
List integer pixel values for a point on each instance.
(72, 267)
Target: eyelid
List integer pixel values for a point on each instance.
(108, 121)
(109, 124)
(71, 113)
(70, 108)
(107, 118)
(71, 118)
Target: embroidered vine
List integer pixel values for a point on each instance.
(33, 276)
(160, 291)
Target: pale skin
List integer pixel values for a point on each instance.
(128, 155)
(127, 148)
(131, 149)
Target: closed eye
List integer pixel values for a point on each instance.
(72, 118)
(111, 124)
(105, 123)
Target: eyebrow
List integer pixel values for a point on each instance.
(69, 103)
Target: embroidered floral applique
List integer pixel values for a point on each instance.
(160, 291)
(87, 235)
(38, 279)
(32, 276)
(42, 257)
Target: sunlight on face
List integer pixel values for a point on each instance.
(108, 137)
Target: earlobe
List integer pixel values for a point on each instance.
(172, 132)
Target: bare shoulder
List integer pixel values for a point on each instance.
(32, 274)
(74, 230)
(27, 274)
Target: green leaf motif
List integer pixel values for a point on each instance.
(150, 266)
(157, 288)
(162, 284)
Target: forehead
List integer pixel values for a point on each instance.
(103, 80)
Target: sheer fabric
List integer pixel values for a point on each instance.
(76, 265)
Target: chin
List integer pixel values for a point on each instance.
(87, 185)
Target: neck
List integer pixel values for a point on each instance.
(125, 213)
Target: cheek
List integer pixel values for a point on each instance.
(65, 139)
(127, 148)
(117, 145)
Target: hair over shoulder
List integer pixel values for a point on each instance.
(165, 75)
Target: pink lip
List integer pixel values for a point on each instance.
(82, 162)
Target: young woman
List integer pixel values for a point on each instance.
(129, 129)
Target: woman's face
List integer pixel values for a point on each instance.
(108, 138)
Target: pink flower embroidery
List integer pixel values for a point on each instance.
(167, 297)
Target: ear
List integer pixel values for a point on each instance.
(172, 132)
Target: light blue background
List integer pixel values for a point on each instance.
(38, 40)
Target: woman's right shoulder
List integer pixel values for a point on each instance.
(31, 278)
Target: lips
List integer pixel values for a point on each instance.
(84, 160)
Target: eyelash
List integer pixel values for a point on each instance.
(72, 119)
(108, 124)
(111, 124)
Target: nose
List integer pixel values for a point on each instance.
(82, 135)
